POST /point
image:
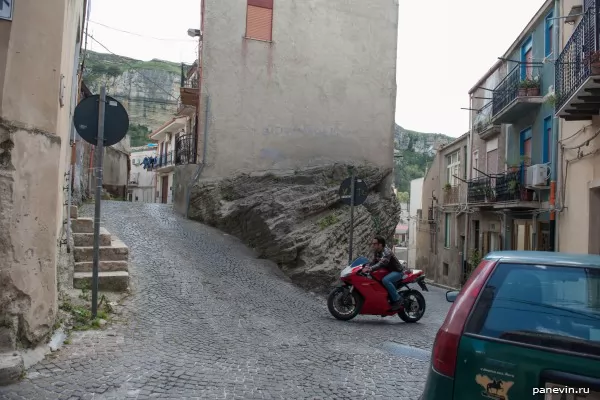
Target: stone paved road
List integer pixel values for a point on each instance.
(209, 320)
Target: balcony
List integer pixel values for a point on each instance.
(190, 91)
(134, 179)
(578, 70)
(164, 162)
(487, 130)
(518, 94)
(186, 150)
(501, 191)
(453, 194)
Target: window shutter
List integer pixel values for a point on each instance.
(259, 23)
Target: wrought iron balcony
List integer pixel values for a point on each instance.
(454, 194)
(487, 130)
(517, 94)
(499, 189)
(577, 72)
(186, 150)
(165, 160)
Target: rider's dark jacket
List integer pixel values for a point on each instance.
(386, 259)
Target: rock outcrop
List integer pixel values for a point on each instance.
(296, 219)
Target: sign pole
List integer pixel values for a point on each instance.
(352, 199)
(98, 198)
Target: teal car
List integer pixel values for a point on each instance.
(526, 325)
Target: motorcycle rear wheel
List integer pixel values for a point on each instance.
(415, 303)
(342, 297)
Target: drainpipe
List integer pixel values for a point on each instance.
(465, 256)
(555, 137)
(203, 164)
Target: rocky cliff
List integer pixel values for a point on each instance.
(149, 90)
(295, 218)
(415, 151)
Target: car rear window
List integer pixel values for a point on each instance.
(551, 306)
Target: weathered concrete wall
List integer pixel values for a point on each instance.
(35, 105)
(182, 181)
(322, 91)
(115, 167)
(416, 203)
(28, 226)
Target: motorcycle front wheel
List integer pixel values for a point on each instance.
(343, 304)
(414, 306)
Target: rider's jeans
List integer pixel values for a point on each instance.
(389, 280)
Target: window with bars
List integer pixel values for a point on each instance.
(259, 20)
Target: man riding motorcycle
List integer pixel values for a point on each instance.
(384, 258)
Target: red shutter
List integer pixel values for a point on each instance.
(259, 23)
(261, 3)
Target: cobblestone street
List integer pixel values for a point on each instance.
(208, 320)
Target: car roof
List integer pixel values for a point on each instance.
(546, 257)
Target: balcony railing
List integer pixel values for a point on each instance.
(185, 150)
(504, 187)
(524, 80)
(165, 160)
(453, 194)
(573, 64)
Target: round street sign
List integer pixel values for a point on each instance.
(361, 191)
(116, 120)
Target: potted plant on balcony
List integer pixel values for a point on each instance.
(523, 85)
(533, 88)
(447, 187)
(526, 194)
(512, 186)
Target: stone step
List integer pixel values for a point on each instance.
(11, 368)
(74, 212)
(117, 251)
(103, 266)
(87, 239)
(82, 225)
(117, 281)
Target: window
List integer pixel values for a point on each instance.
(491, 158)
(259, 20)
(447, 230)
(547, 148)
(549, 306)
(475, 173)
(549, 33)
(527, 59)
(453, 168)
(525, 147)
(445, 268)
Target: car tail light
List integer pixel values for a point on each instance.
(445, 348)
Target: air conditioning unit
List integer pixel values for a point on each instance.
(537, 175)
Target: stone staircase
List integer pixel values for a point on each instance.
(113, 266)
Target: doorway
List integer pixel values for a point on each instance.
(594, 224)
(164, 188)
(522, 235)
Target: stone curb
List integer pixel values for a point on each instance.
(432, 283)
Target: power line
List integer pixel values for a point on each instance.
(133, 68)
(140, 35)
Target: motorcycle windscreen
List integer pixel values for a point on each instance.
(359, 261)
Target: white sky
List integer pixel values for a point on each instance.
(443, 47)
